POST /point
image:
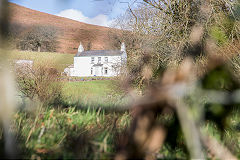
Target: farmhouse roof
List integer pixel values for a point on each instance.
(99, 53)
(97, 65)
(71, 66)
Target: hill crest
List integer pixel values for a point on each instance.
(71, 32)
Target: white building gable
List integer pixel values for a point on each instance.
(105, 63)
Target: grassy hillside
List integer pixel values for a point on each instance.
(70, 32)
(57, 60)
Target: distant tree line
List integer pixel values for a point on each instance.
(34, 38)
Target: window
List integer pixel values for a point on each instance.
(106, 70)
(99, 59)
(91, 70)
(106, 59)
(92, 59)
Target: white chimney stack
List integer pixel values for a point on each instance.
(124, 55)
(80, 48)
(123, 47)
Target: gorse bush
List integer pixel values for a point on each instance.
(39, 81)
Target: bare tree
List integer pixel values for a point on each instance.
(39, 38)
(160, 30)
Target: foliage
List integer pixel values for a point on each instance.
(38, 38)
(67, 134)
(160, 30)
(189, 37)
(218, 35)
(39, 81)
(95, 133)
(195, 116)
(83, 130)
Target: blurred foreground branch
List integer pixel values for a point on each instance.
(7, 86)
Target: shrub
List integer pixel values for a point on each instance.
(39, 81)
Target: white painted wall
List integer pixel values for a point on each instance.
(83, 65)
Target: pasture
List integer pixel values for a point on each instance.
(56, 60)
(97, 92)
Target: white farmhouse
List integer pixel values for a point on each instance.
(107, 63)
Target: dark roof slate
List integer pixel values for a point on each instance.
(99, 53)
(97, 65)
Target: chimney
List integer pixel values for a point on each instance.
(80, 48)
(123, 47)
(124, 55)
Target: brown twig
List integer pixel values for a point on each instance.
(217, 149)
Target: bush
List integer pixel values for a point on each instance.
(39, 81)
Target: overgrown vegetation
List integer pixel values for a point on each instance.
(84, 127)
(39, 82)
(182, 55)
(34, 38)
(68, 133)
(158, 33)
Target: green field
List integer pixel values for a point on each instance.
(52, 132)
(93, 93)
(57, 60)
